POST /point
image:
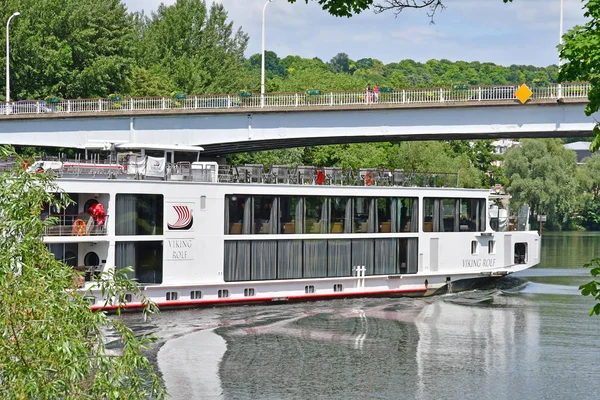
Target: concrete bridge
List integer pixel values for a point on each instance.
(224, 124)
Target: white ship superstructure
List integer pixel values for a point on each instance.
(197, 233)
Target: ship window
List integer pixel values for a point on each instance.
(238, 214)
(291, 213)
(453, 215)
(246, 260)
(474, 247)
(172, 296)
(65, 252)
(223, 293)
(341, 215)
(146, 259)
(364, 215)
(317, 215)
(309, 289)
(203, 202)
(91, 259)
(195, 294)
(90, 299)
(249, 292)
(520, 253)
(338, 287)
(128, 297)
(492, 247)
(139, 214)
(265, 215)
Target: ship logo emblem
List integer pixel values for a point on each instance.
(184, 221)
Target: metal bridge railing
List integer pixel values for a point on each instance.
(291, 100)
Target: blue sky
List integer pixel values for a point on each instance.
(524, 32)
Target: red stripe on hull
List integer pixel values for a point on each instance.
(247, 300)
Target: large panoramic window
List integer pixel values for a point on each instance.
(247, 260)
(146, 259)
(453, 215)
(246, 214)
(139, 214)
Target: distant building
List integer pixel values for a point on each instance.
(501, 146)
(582, 149)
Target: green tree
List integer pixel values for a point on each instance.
(273, 65)
(434, 156)
(542, 174)
(267, 158)
(151, 82)
(354, 156)
(580, 48)
(340, 63)
(71, 48)
(589, 176)
(480, 154)
(196, 46)
(53, 345)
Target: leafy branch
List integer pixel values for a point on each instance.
(592, 288)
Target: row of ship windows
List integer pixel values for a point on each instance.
(245, 214)
(221, 293)
(248, 292)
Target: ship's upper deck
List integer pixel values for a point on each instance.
(156, 168)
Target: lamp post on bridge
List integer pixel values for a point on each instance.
(8, 60)
(262, 66)
(560, 41)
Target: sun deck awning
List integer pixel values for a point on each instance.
(107, 146)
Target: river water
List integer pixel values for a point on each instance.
(533, 339)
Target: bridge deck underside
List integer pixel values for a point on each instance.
(242, 130)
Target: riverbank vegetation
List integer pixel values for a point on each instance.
(53, 345)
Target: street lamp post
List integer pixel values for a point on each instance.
(8, 60)
(262, 64)
(560, 40)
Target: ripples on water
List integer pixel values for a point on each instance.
(528, 337)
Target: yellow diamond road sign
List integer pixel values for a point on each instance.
(523, 93)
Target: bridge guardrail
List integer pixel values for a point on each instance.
(300, 99)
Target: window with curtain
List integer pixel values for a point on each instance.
(146, 259)
(384, 214)
(472, 215)
(338, 222)
(288, 212)
(316, 210)
(246, 260)
(453, 215)
(139, 214)
(264, 211)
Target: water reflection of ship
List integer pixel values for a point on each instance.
(408, 345)
(487, 345)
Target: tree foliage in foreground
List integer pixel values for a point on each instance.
(347, 8)
(52, 346)
(592, 288)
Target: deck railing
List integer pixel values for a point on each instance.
(471, 94)
(246, 174)
(76, 225)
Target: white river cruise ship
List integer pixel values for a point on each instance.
(202, 234)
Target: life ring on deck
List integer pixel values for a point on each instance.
(368, 179)
(79, 227)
